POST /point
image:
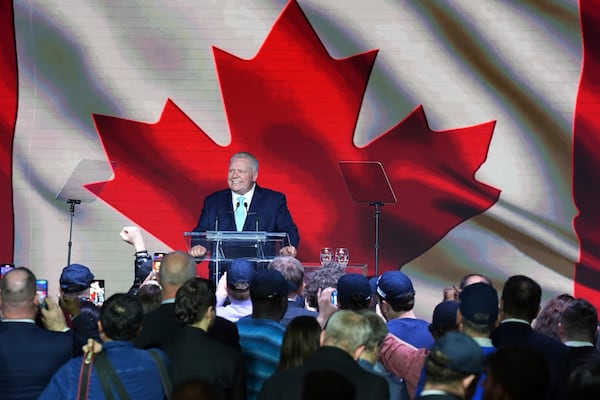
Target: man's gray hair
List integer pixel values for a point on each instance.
(248, 156)
(347, 330)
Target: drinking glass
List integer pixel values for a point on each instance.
(326, 255)
(342, 256)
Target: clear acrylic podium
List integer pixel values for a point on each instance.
(224, 246)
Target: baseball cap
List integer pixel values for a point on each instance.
(268, 284)
(75, 278)
(479, 303)
(240, 274)
(394, 285)
(457, 352)
(353, 286)
(444, 314)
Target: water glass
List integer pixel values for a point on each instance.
(342, 256)
(326, 255)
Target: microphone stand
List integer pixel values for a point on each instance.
(72, 204)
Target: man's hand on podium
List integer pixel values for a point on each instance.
(288, 251)
(197, 251)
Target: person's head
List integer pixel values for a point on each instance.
(300, 341)
(347, 330)
(268, 292)
(579, 322)
(242, 172)
(195, 303)
(453, 364)
(478, 310)
(470, 279)
(17, 294)
(548, 318)
(517, 374)
(150, 294)
(353, 292)
(292, 270)
(378, 332)
(120, 317)
(239, 275)
(175, 269)
(584, 383)
(395, 294)
(75, 280)
(444, 318)
(521, 298)
(89, 310)
(324, 277)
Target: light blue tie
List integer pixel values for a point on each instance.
(240, 213)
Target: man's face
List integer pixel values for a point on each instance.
(240, 176)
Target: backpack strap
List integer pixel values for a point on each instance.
(84, 376)
(164, 376)
(109, 378)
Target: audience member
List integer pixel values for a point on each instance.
(515, 374)
(353, 292)
(453, 292)
(160, 326)
(547, 320)
(578, 329)
(142, 264)
(396, 297)
(29, 354)
(327, 385)
(519, 305)
(300, 341)
(193, 354)
(342, 343)
(235, 286)
(369, 357)
(120, 321)
(584, 383)
(325, 277)
(74, 282)
(293, 272)
(150, 294)
(452, 367)
(261, 335)
(443, 319)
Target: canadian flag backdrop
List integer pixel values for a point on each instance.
(483, 115)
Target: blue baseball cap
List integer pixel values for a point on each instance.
(351, 286)
(268, 284)
(457, 352)
(75, 278)
(479, 303)
(393, 285)
(444, 314)
(240, 274)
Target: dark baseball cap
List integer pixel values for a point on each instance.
(444, 314)
(75, 278)
(393, 285)
(457, 352)
(353, 286)
(240, 274)
(479, 303)
(268, 284)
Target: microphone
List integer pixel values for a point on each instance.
(217, 223)
(256, 219)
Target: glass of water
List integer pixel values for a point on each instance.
(342, 256)
(326, 255)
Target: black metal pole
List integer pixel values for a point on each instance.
(377, 205)
(72, 210)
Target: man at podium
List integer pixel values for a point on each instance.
(245, 206)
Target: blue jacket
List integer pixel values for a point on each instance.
(136, 369)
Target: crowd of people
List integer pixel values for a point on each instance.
(259, 335)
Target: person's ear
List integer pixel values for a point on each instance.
(467, 381)
(356, 354)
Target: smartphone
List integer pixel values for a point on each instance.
(334, 298)
(41, 290)
(97, 291)
(4, 268)
(156, 262)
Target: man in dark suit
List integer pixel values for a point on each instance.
(160, 326)
(342, 342)
(245, 206)
(519, 305)
(578, 329)
(193, 354)
(29, 355)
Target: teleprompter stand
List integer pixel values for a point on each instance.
(368, 183)
(74, 193)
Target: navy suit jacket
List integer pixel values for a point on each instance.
(29, 356)
(268, 212)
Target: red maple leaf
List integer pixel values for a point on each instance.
(296, 108)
